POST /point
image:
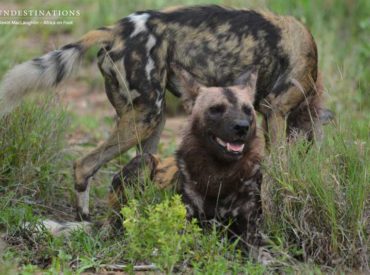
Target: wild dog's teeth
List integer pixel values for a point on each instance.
(232, 147)
(221, 142)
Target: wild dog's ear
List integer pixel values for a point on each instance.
(189, 87)
(248, 80)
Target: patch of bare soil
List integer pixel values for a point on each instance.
(8, 6)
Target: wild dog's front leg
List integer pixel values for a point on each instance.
(150, 145)
(250, 219)
(248, 212)
(130, 130)
(276, 108)
(276, 128)
(273, 123)
(133, 174)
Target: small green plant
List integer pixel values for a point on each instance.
(160, 233)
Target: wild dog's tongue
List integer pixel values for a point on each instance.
(234, 147)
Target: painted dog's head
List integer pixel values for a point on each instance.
(222, 118)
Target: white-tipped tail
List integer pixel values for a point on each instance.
(48, 70)
(64, 229)
(37, 74)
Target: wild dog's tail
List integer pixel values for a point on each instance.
(63, 229)
(48, 70)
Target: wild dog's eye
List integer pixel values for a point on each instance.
(217, 109)
(247, 110)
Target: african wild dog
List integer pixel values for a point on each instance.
(218, 161)
(213, 43)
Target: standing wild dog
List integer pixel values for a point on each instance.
(213, 43)
(218, 161)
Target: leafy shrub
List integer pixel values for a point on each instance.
(160, 233)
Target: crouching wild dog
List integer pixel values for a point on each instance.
(217, 167)
(213, 43)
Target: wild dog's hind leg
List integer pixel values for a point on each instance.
(305, 121)
(277, 107)
(130, 130)
(308, 118)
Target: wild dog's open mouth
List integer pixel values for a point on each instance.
(231, 147)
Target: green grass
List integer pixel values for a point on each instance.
(316, 201)
(32, 144)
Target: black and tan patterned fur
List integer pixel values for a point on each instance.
(215, 44)
(216, 184)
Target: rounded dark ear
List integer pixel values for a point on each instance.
(188, 86)
(248, 81)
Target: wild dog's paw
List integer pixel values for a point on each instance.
(81, 216)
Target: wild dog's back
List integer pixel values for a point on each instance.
(218, 44)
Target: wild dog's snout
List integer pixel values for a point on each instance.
(241, 127)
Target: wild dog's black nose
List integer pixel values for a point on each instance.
(241, 127)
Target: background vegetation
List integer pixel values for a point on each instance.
(316, 202)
